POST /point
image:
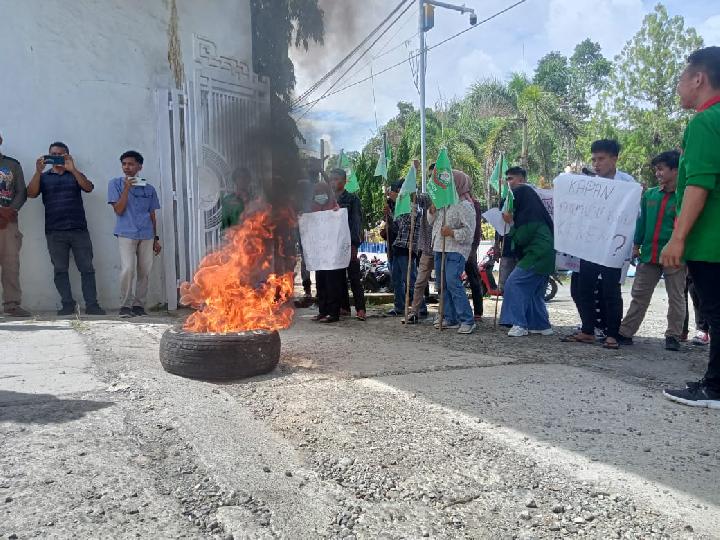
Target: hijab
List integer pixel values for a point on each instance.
(463, 185)
(323, 198)
(529, 208)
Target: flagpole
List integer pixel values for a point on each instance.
(502, 249)
(442, 273)
(413, 204)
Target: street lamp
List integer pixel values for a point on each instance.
(426, 22)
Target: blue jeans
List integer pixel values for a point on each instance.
(60, 243)
(399, 280)
(456, 306)
(524, 300)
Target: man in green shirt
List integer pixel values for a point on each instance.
(696, 237)
(652, 231)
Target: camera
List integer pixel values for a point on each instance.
(473, 19)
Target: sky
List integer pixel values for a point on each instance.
(512, 42)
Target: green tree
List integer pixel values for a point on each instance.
(276, 26)
(589, 73)
(641, 99)
(553, 74)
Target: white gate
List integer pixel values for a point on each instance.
(206, 135)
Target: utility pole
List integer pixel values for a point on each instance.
(426, 20)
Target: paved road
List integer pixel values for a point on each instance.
(366, 430)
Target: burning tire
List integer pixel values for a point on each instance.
(219, 357)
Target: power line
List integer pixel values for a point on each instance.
(349, 55)
(416, 55)
(337, 81)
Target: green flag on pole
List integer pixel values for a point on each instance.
(441, 188)
(352, 185)
(509, 205)
(403, 204)
(498, 173)
(382, 165)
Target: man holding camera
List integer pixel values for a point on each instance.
(13, 195)
(134, 202)
(66, 229)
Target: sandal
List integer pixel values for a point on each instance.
(360, 315)
(612, 345)
(318, 318)
(575, 338)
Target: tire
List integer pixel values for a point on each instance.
(551, 289)
(219, 357)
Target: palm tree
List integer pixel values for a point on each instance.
(545, 127)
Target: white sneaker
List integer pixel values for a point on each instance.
(467, 328)
(701, 338)
(447, 325)
(546, 332)
(518, 331)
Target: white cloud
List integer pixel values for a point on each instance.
(476, 65)
(609, 22)
(710, 30)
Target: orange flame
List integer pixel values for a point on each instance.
(234, 290)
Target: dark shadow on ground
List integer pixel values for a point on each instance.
(30, 327)
(23, 408)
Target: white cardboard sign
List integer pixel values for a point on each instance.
(595, 218)
(494, 217)
(325, 239)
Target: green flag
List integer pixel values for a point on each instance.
(403, 204)
(509, 205)
(352, 185)
(441, 188)
(382, 165)
(498, 173)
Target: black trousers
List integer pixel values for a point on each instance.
(330, 285)
(700, 322)
(610, 293)
(471, 270)
(705, 278)
(353, 272)
(599, 302)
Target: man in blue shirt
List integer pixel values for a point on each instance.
(134, 202)
(65, 225)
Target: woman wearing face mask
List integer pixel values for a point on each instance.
(329, 283)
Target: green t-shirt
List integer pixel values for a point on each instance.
(232, 207)
(700, 166)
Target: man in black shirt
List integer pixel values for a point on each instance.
(350, 201)
(66, 229)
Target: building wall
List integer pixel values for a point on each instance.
(86, 73)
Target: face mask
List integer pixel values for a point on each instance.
(322, 198)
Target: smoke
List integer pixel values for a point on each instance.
(347, 22)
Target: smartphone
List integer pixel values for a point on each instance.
(137, 181)
(54, 160)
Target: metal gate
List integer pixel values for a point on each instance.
(206, 137)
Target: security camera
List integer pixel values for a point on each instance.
(473, 19)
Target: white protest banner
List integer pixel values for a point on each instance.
(494, 218)
(325, 239)
(546, 196)
(563, 261)
(595, 218)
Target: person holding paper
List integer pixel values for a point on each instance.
(696, 237)
(523, 307)
(329, 283)
(652, 232)
(350, 201)
(605, 154)
(458, 232)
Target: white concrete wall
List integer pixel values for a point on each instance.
(85, 72)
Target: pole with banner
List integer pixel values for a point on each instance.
(442, 191)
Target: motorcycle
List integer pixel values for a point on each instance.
(374, 274)
(488, 285)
